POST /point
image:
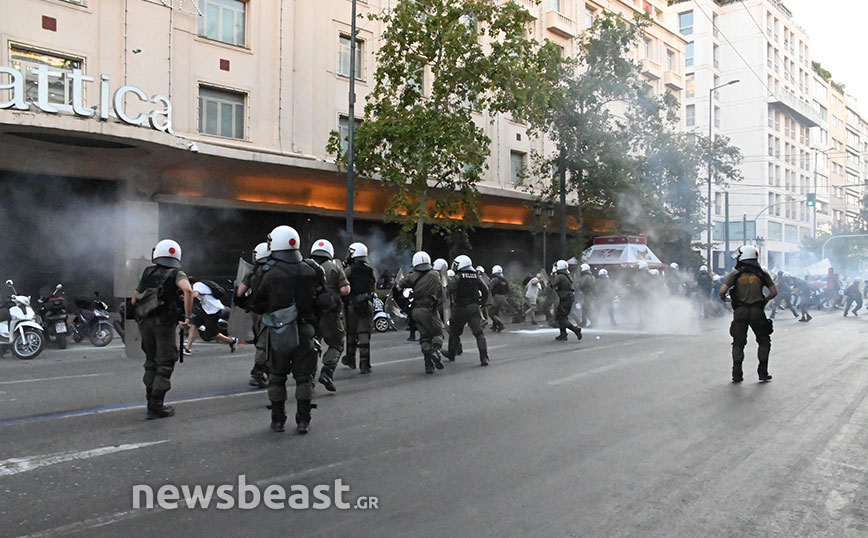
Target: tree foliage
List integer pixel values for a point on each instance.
(441, 61)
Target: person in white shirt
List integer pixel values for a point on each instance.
(207, 313)
(531, 293)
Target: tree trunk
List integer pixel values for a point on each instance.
(420, 224)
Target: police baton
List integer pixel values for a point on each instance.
(181, 345)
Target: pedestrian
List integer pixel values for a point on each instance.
(331, 321)
(426, 285)
(290, 295)
(745, 286)
(531, 293)
(468, 293)
(587, 286)
(160, 312)
(853, 293)
(606, 295)
(360, 308)
(499, 290)
(259, 373)
(563, 284)
(833, 285)
(208, 310)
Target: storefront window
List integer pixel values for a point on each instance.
(59, 88)
(221, 112)
(223, 20)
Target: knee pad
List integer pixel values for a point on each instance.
(164, 371)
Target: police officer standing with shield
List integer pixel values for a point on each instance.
(745, 285)
(259, 373)
(360, 308)
(426, 285)
(563, 285)
(159, 310)
(331, 321)
(468, 292)
(289, 296)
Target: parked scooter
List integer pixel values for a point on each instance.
(18, 327)
(391, 316)
(92, 321)
(52, 312)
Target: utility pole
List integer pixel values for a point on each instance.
(563, 189)
(708, 231)
(351, 127)
(726, 257)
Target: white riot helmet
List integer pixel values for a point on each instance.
(167, 253)
(480, 269)
(716, 278)
(561, 265)
(358, 251)
(462, 263)
(673, 265)
(603, 273)
(746, 252)
(440, 264)
(703, 269)
(450, 273)
(497, 270)
(654, 272)
(324, 248)
(643, 266)
(421, 261)
(261, 252)
(585, 268)
(283, 238)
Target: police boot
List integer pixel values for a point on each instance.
(257, 378)
(302, 416)
(429, 365)
(562, 337)
(437, 359)
(325, 377)
(365, 366)
(156, 409)
(278, 416)
(483, 360)
(577, 331)
(349, 360)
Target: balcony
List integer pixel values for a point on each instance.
(651, 69)
(531, 6)
(803, 112)
(673, 79)
(560, 24)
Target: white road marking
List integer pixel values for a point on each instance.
(50, 379)
(13, 466)
(580, 375)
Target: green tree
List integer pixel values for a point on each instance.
(441, 61)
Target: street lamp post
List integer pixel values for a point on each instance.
(546, 211)
(710, 138)
(351, 124)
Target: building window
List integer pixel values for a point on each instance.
(221, 112)
(344, 131)
(646, 48)
(555, 5)
(688, 55)
(690, 115)
(344, 57)
(690, 85)
(589, 17)
(517, 165)
(59, 88)
(223, 20)
(685, 22)
(717, 117)
(670, 60)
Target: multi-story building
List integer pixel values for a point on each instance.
(768, 114)
(207, 121)
(821, 149)
(838, 153)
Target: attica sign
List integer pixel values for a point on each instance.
(110, 106)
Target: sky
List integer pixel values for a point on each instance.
(837, 33)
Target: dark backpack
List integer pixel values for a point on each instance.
(161, 297)
(218, 292)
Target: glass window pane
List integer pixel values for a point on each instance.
(344, 56)
(239, 121)
(239, 28)
(227, 34)
(211, 117)
(359, 65)
(212, 20)
(201, 115)
(226, 118)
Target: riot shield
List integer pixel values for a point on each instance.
(447, 304)
(240, 323)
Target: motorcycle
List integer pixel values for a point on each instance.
(390, 316)
(18, 327)
(52, 312)
(119, 323)
(92, 321)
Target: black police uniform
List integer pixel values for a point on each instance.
(748, 304)
(468, 292)
(563, 285)
(499, 290)
(360, 314)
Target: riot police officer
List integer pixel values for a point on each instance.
(251, 280)
(588, 286)
(563, 285)
(289, 296)
(159, 309)
(360, 308)
(426, 285)
(499, 288)
(468, 293)
(331, 321)
(745, 285)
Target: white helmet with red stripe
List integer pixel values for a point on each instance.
(324, 248)
(167, 253)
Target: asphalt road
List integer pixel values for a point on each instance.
(621, 435)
